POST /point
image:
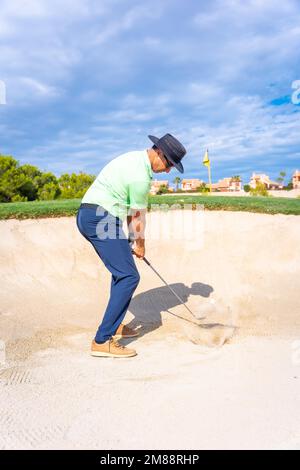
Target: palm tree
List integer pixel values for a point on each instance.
(280, 179)
(236, 178)
(177, 180)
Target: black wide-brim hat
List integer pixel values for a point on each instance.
(173, 150)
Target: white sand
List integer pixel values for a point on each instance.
(174, 394)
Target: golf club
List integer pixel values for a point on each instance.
(176, 295)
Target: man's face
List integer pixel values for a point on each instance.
(161, 164)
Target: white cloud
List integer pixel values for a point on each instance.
(131, 17)
(39, 88)
(205, 71)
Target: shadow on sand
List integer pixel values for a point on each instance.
(147, 306)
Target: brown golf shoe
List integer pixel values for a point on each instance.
(123, 331)
(111, 348)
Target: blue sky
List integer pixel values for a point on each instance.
(87, 80)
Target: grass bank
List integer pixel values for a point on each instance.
(69, 207)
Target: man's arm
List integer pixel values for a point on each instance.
(136, 227)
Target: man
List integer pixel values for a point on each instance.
(120, 192)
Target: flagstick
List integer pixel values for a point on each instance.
(206, 162)
(209, 177)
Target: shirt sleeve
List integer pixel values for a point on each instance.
(138, 192)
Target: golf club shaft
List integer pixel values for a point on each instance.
(176, 295)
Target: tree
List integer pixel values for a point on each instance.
(27, 186)
(74, 186)
(7, 163)
(8, 175)
(236, 178)
(280, 178)
(289, 186)
(177, 180)
(247, 188)
(25, 182)
(16, 183)
(49, 192)
(28, 183)
(48, 187)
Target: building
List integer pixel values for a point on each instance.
(296, 180)
(227, 185)
(155, 185)
(264, 179)
(191, 184)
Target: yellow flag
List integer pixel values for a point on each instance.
(206, 160)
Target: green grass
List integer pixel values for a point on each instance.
(265, 205)
(39, 209)
(68, 207)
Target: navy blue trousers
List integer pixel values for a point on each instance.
(105, 233)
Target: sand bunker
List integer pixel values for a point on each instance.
(53, 294)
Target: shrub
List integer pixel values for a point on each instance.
(18, 198)
(163, 189)
(49, 191)
(202, 188)
(259, 190)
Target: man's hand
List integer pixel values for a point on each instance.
(138, 251)
(136, 229)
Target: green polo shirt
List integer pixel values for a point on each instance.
(122, 184)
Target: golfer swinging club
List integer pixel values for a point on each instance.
(120, 192)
